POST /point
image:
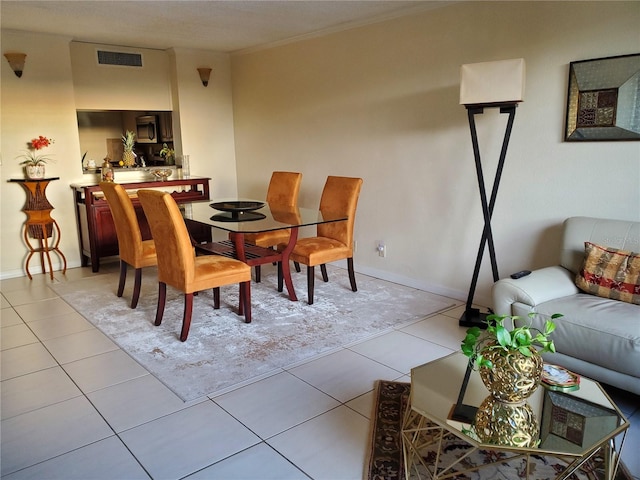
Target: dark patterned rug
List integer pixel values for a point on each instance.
(386, 460)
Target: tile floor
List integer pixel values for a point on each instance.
(74, 406)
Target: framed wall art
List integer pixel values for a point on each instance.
(603, 102)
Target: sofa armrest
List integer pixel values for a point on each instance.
(540, 286)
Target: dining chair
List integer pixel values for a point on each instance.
(334, 241)
(282, 192)
(132, 249)
(180, 268)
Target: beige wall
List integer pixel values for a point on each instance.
(60, 76)
(381, 102)
(205, 118)
(114, 87)
(39, 103)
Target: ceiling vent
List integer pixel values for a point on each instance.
(119, 58)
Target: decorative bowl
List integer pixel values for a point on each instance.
(162, 173)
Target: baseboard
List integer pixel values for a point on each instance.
(35, 270)
(415, 283)
(372, 272)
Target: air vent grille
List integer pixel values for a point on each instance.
(119, 58)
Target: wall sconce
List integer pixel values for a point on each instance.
(16, 61)
(205, 73)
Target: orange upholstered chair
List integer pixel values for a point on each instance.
(334, 241)
(282, 192)
(178, 265)
(133, 250)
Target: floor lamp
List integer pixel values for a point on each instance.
(489, 85)
(486, 85)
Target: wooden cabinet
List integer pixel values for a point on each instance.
(96, 230)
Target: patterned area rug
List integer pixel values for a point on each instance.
(386, 460)
(222, 351)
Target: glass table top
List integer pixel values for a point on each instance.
(570, 423)
(263, 219)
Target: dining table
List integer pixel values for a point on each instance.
(241, 216)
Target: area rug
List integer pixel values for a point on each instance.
(222, 351)
(386, 459)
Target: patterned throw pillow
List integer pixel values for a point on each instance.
(610, 273)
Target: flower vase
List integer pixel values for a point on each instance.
(34, 172)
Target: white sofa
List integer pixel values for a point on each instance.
(597, 337)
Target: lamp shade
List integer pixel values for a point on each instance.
(492, 82)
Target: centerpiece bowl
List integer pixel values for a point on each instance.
(162, 173)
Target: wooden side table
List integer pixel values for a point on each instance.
(39, 224)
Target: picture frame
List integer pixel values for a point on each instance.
(603, 99)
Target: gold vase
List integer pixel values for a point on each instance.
(514, 376)
(508, 424)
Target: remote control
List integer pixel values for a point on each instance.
(520, 274)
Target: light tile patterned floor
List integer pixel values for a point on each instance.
(74, 406)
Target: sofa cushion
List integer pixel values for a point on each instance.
(598, 330)
(610, 273)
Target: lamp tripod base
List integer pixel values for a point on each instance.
(472, 317)
(464, 413)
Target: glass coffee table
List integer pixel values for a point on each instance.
(574, 426)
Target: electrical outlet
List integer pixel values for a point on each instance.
(381, 248)
(355, 246)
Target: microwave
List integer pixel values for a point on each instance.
(147, 129)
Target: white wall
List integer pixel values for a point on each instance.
(381, 102)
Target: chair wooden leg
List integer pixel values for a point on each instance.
(323, 270)
(297, 266)
(310, 284)
(258, 271)
(123, 277)
(186, 319)
(245, 288)
(162, 299)
(136, 288)
(280, 277)
(352, 274)
(216, 298)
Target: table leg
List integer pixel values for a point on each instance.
(31, 250)
(57, 250)
(46, 250)
(44, 247)
(286, 270)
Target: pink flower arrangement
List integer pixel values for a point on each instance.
(30, 157)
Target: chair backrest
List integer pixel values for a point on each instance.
(126, 222)
(176, 254)
(340, 196)
(283, 189)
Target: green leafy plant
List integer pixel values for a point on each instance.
(168, 154)
(478, 342)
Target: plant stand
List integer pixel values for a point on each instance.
(39, 225)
